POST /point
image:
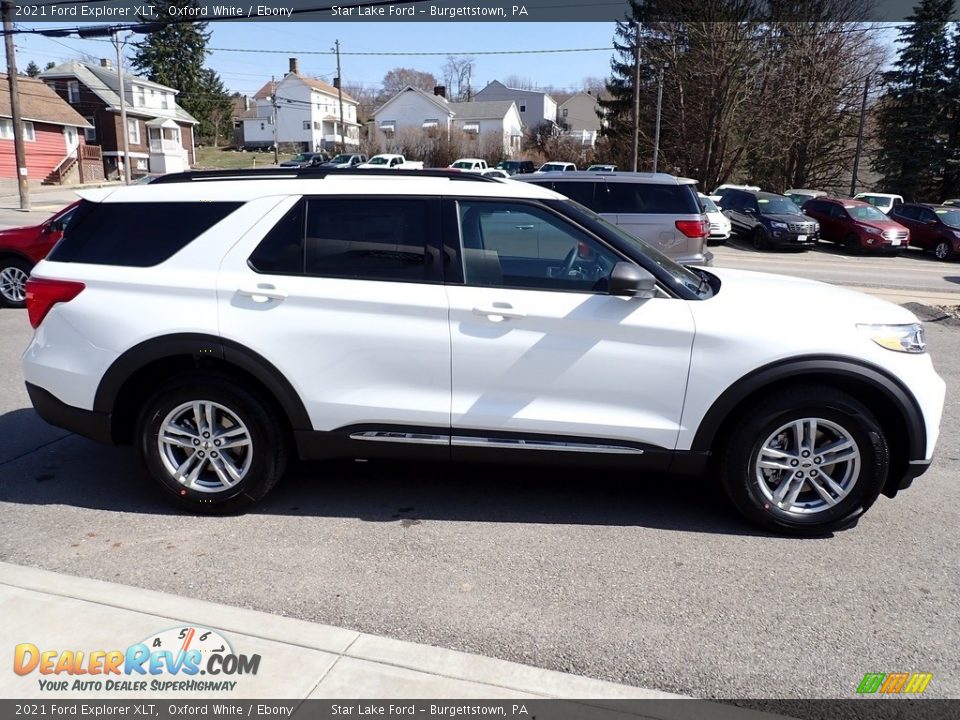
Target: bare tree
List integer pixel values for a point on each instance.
(457, 74)
(397, 79)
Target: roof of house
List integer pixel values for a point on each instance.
(315, 83)
(483, 110)
(582, 93)
(440, 102)
(497, 85)
(104, 82)
(38, 103)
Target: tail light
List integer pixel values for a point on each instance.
(694, 228)
(43, 294)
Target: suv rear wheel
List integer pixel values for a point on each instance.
(806, 461)
(212, 445)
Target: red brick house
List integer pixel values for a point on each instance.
(160, 133)
(53, 133)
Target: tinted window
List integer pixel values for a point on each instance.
(582, 192)
(817, 206)
(281, 251)
(906, 211)
(638, 198)
(732, 200)
(382, 239)
(517, 245)
(838, 212)
(135, 234)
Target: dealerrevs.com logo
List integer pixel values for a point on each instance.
(179, 659)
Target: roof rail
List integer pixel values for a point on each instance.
(311, 173)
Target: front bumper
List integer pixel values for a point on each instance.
(786, 238)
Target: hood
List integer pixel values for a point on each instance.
(782, 299)
(784, 218)
(881, 224)
(16, 232)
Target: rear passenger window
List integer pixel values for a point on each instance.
(582, 192)
(382, 239)
(135, 234)
(636, 198)
(281, 251)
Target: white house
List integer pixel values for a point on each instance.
(307, 112)
(534, 106)
(413, 110)
(579, 117)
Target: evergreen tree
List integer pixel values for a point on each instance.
(174, 56)
(912, 123)
(950, 185)
(216, 109)
(32, 69)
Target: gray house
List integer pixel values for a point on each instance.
(535, 107)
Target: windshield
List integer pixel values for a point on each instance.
(708, 205)
(341, 159)
(678, 274)
(379, 161)
(463, 165)
(865, 212)
(508, 165)
(302, 157)
(777, 206)
(949, 217)
(878, 201)
(551, 167)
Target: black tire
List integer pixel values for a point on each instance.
(742, 481)
(12, 271)
(760, 239)
(942, 250)
(851, 243)
(268, 451)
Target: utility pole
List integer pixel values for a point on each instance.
(123, 110)
(21, 157)
(636, 100)
(656, 132)
(856, 157)
(273, 102)
(343, 129)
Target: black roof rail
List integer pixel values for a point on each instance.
(312, 173)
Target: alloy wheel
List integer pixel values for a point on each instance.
(13, 284)
(807, 466)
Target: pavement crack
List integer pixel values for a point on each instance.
(39, 447)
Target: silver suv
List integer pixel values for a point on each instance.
(660, 209)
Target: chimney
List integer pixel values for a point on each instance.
(440, 91)
(294, 66)
(246, 102)
(105, 63)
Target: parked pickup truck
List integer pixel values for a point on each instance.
(469, 165)
(346, 160)
(387, 160)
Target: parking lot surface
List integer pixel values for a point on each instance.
(648, 581)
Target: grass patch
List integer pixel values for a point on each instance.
(211, 158)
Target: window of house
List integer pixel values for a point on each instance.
(430, 123)
(471, 127)
(306, 124)
(133, 131)
(6, 130)
(90, 133)
(73, 91)
(523, 107)
(139, 97)
(388, 126)
(565, 111)
(165, 101)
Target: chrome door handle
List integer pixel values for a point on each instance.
(524, 227)
(262, 293)
(499, 313)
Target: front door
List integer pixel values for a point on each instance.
(71, 139)
(541, 354)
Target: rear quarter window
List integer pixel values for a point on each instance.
(135, 234)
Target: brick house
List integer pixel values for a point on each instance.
(160, 133)
(53, 134)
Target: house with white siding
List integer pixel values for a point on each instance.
(307, 113)
(412, 111)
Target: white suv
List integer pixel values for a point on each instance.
(224, 323)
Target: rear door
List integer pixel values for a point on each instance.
(344, 297)
(540, 353)
(650, 212)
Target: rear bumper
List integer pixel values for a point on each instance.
(88, 423)
(915, 468)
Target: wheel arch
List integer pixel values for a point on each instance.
(7, 252)
(140, 369)
(881, 392)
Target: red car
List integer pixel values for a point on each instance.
(932, 227)
(857, 225)
(21, 249)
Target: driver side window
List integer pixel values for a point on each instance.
(521, 246)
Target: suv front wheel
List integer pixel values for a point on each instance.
(806, 461)
(211, 444)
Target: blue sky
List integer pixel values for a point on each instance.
(247, 71)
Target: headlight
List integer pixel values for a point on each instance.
(956, 234)
(778, 225)
(872, 230)
(901, 338)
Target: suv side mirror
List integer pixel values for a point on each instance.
(631, 280)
